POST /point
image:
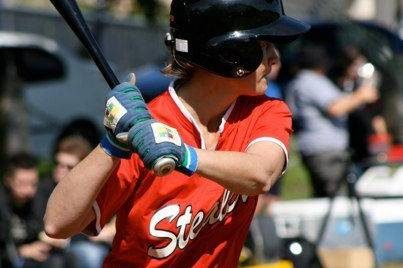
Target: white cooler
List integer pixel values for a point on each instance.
(344, 229)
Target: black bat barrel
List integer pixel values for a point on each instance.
(72, 14)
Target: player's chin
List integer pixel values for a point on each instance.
(256, 89)
(261, 87)
(257, 92)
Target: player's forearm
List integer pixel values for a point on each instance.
(69, 208)
(243, 173)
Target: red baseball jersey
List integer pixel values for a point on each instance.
(180, 221)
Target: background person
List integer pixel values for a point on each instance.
(73, 144)
(22, 241)
(320, 112)
(368, 133)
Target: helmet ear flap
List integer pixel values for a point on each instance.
(233, 57)
(226, 56)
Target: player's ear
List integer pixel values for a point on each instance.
(132, 78)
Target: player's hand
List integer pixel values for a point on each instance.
(131, 128)
(153, 140)
(125, 107)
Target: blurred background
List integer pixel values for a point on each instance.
(47, 80)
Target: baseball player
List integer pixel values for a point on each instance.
(229, 142)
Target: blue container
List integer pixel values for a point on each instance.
(389, 242)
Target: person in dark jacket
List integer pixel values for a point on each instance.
(20, 224)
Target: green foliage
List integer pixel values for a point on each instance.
(296, 183)
(150, 9)
(45, 168)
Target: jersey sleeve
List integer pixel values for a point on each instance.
(274, 124)
(114, 193)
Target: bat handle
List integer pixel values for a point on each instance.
(164, 165)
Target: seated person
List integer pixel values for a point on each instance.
(73, 145)
(20, 225)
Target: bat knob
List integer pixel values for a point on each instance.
(164, 166)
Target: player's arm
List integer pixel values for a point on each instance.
(129, 128)
(251, 173)
(69, 209)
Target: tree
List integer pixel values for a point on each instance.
(150, 8)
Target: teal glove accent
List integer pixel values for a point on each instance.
(153, 140)
(190, 160)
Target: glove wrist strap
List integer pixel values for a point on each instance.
(190, 162)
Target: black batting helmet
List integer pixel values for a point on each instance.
(223, 36)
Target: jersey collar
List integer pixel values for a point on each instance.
(190, 118)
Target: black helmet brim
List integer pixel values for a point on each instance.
(284, 30)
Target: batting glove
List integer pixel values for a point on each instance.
(125, 107)
(130, 127)
(153, 140)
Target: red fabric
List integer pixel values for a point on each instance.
(395, 154)
(179, 221)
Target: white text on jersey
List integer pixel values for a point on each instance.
(221, 208)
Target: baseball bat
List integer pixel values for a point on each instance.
(71, 13)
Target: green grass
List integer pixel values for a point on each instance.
(295, 183)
